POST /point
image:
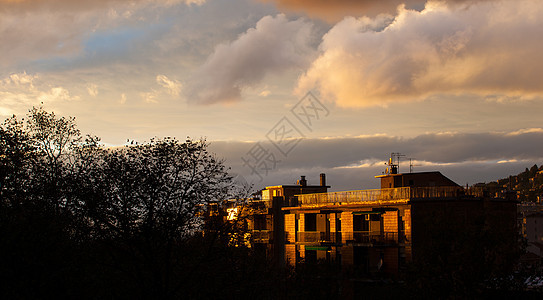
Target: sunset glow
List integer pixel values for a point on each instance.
(455, 85)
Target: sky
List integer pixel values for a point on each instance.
(283, 88)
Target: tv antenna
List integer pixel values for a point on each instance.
(394, 163)
(411, 165)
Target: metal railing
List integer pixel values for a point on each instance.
(350, 237)
(260, 203)
(318, 236)
(371, 237)
(261, 236)
(436, 192)
(380, 195)
(311, 236)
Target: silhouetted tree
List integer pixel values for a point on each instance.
(77, 217)
(79, 220)
(36, 220)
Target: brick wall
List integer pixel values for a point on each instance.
(407, 230)
(346, 226)
(390, 221)
(290, 223)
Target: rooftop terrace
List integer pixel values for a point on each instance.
(384, 196)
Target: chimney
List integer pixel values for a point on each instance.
(302, 181)
(323, 179)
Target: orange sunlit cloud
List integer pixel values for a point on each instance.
(481, 49)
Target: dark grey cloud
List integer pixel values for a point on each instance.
(436, 148)
(344, 179)
(470, 157)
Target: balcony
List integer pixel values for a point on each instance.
(318, 237)
(365, 237)
(262, 205)
(261, 236)
(362, 237)
(380, 196)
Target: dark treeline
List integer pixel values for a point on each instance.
(80, 220)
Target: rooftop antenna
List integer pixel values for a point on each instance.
(398, 157)
(411, 165)
(394, 163)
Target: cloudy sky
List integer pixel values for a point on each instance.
(282, 88)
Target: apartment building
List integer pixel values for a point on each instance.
(422, 218)
(266, 217)
(415, 217)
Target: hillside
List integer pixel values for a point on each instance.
(528, 184)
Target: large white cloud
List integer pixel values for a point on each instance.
(490, 49)
(273, 46)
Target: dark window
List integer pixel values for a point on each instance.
(361, 223)
(310, 222)
(260, 222)
(411, 182)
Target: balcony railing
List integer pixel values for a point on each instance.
(364, 237)
(319, 237)
(262, 236)
(380, 195)
(371, 237)
(264, 204)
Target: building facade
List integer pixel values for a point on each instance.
(414, 218)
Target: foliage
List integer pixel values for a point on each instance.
(78, 219)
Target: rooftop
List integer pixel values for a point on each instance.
(385, 196)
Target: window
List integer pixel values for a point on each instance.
(361, 222)
(310, 222)
(260, 222)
